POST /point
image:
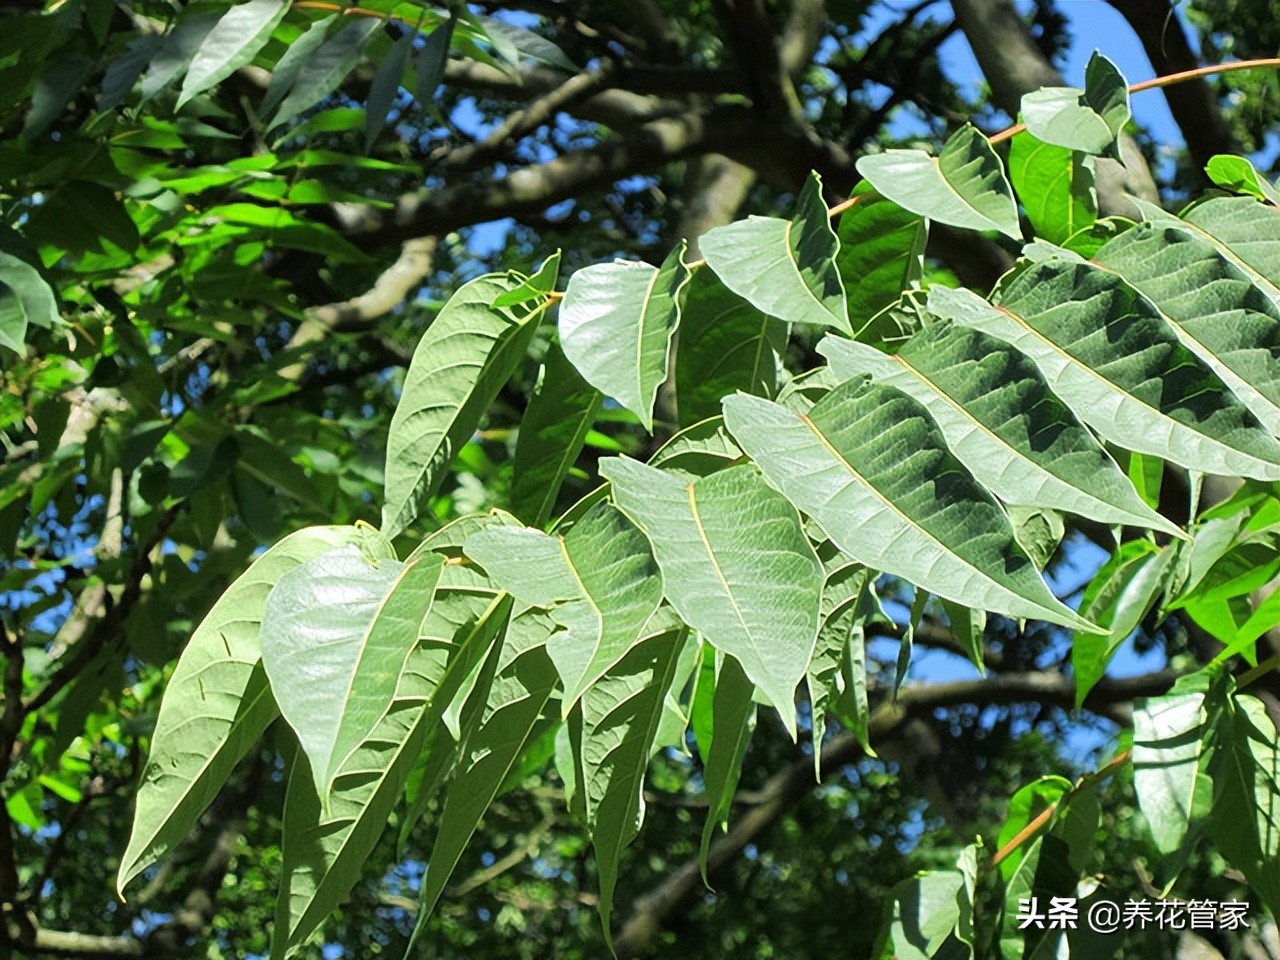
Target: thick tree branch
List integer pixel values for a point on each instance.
(654, 909)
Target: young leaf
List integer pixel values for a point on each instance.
(322, 71)
(217, 703)
(598, 581)
(336, 634)
(1088, 119)
(616, 323)
(460, 364)
(881, 254)
(964, 185)
(870, 466)
(386, 84)
(561, 411)
(785, 268)
(735, 564)
(1168, 738)
(1213, 306)
(536, 287)
(612, 735)
(1056, 187)
(1238, 174)
(724, 743)
(726, 345)
(233, 43)
(1108, 354)
(1002, 421)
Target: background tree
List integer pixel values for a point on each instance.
(248, 235)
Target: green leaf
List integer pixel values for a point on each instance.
(176, 52)
(1213, 306)
(599, 582)
(733, 719)
(231, 44)
(535, 287)
(785, 268)
(287, 68)
(847, 604)
(698, 450)
(431, 60)
(522, 686)
(964, 185)
(1118, 598)
(735, 564)
(881, 254)
(217, 703)
(460, 364)
(386, 84)
(561, 411)
(921, 921)
(322, 71)
(1056, 187)
(25, 299)
(1244, 231)
(1168, 738)
(512, 43)
(726, 345)
(324, 855)
(612, 734)
(1024, 806)
(1111, 358)
(969, 627)
(870, 466)
(336, 634)
(616, 324)
(1246, 805)
(1002, 421)
(1238, 174)
(1090, 119)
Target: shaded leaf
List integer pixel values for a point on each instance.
(1090, 119)
(386, 84)
(1168, 737)
(724, 744)
(881, 254)
(321, 72)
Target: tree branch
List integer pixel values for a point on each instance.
(654, 909)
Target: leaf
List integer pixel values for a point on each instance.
(1024, 806)
(785, 268)
(922, 917)
(1056, 187)
(124, 71)
(1117, 599)
(698, 450)
(1002, 421)
(873, 470)
(522, 685)
(431, 61)
(217, 704)
(733, 719)
(290, 64)
(1090, 119)
(616, 324)
(535, 287)
(336, 634)
(726, 345)
(612, 736)
(386, 84)
(1212, 305)
(735, 564)
(322, 71)
(176, 52)
(1168, 737)
(969, 628)
(323, 856)
(844, 613)
(231, 44)
(1238, 174)
(561, 411)
(511, 43)
(881, 254)
(25, 299)
(964, 185)
(598, 581)
(460, 364)
(1245, 768)
(1110, 357)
